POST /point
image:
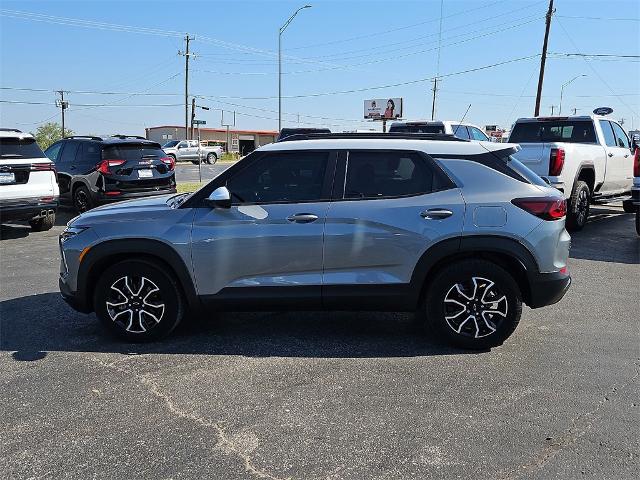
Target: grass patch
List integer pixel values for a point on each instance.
(189, 186)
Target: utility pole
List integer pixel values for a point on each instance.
(433, 103)
(193, 114)
(543, 58)
(552, 109)
(575, 110)
(186, 54)
(222, 124)
(63, 106)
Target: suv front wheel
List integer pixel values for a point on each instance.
(473, 304)
(138, 300)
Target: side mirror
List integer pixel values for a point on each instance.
(220, 198)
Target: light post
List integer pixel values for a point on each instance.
(280, 32)
(562, 90)
(199, 146)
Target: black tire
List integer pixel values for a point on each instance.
(145, 300)
(43, 224)
(579, 205)
(82, 200)
(467, 280)
(212, 158)
(638, 220)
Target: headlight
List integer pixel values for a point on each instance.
(71, 232)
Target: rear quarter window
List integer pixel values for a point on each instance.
(567, 131)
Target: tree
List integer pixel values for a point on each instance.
(49, 133)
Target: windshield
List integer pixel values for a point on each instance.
(171, 144)
(417, 128)
(20, 148)
(567, 131)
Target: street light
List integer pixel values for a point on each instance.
(280, 32)
(562, 90)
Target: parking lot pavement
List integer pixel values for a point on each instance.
(324, 395)
(187, 172)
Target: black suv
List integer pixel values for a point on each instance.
(95, 170)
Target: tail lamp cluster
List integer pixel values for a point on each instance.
(556, 161)
(547, 208)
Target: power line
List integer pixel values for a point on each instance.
(605, 55)
(601, 18)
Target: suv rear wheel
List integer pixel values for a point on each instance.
(473, 304)
(138, 300)
(82, 199)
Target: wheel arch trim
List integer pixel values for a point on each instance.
(103, 254)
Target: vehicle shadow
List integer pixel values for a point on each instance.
(14, 230)
(609, 236)
(32, 326)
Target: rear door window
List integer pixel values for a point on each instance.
(476, 134)
(609, 138)
(53, 151)
(543, 131)
(68, 155)
(18, 148)
(372, 175)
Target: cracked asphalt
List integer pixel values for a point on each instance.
(323, 395)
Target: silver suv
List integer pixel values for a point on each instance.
(455, 230)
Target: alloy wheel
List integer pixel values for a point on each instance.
(475, 308)
(81, 200)
(135, 303)
(582, 207)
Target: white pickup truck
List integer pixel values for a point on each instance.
(587, 157)
(187, 150)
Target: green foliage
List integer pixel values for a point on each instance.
(48, 133)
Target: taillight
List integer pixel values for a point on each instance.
(556, 161)
(169, 162)
(549, 208)
(636, 163)
(105, 165)
(42, 167)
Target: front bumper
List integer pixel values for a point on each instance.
(73, 299)
(25, 210)
(548, 288)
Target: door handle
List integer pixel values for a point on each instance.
(436, 214)
(610, 154)
(302, 218)
(626, 156)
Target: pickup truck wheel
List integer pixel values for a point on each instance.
(212, 158)
(472, 304)
(138, 300)
(579, 205)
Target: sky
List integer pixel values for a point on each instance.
(336, 54)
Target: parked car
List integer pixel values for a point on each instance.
(28, 187)
(287, 132)
(587, 157)
(458, 231)
(465, 131)
(632, 205)
(97, 170)
(187, 150)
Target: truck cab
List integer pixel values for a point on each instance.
(587, 157)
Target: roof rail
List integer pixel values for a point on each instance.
(90, 137)
(374, 135)
(119, 135)
(15, 130)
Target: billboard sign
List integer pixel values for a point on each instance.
(383, 108)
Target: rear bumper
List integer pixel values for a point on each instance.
(548, 288)
(102, 197)
(25, 209)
